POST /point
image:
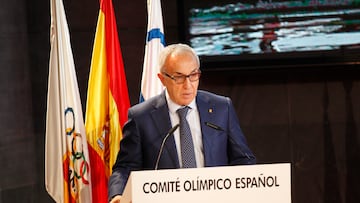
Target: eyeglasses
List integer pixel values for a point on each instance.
(180, 79)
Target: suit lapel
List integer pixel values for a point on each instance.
(161, 118)
(207, 112)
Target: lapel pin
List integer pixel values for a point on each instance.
(210, 110)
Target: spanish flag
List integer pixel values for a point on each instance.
(107, 101)
(67, 166)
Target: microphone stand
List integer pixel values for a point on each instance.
(171, 131)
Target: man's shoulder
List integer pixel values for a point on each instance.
(147, 105)
(210, 96)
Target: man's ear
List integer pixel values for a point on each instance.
(162, 78)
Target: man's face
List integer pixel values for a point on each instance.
(180, 65)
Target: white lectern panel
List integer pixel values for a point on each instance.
(231, 184)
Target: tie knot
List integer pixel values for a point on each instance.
(183, 111)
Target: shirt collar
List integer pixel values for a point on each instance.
(173, 106)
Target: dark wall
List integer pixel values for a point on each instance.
(309, 118)
(20, 168)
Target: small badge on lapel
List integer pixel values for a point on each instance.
(210, 110)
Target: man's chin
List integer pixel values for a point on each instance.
(185, 102)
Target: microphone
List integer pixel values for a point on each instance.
(171, 131)
(211, 125)
(216, 127)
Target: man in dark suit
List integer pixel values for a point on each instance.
(217, 139)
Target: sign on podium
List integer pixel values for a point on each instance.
(231, 184)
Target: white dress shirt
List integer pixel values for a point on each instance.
(193, 119)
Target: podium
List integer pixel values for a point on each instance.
(231, 184)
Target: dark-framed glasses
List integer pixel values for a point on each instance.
(179, 79)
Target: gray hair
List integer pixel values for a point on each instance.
(175, 49)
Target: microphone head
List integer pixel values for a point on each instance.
(172, 130)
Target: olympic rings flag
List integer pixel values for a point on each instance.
(67, 166)
(107, 101)
(155, 42)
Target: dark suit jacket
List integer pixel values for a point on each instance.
(148, 124)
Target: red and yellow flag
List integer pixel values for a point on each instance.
(107, 101)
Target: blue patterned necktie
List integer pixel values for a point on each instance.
(186, 142)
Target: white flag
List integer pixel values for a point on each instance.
(155, 42)
(67, 175)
